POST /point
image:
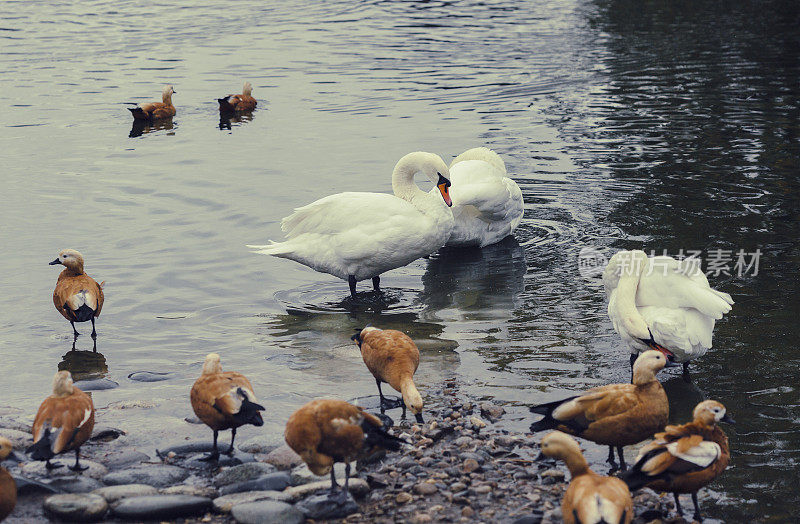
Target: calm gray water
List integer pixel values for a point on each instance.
(654, 125)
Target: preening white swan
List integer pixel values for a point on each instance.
(661, 303)
(487, 205)
(356, 236)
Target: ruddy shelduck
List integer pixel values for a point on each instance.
(77, 296)
(392, 357)
(156, 110)
(238, 103)
(614, 415)
(684, 458)
(224, 400)
(323, 432)
(8, 488)
(64, 422)
(590, 498)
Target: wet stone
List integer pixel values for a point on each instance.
(491, 411)
(476, 456)
(470, 465)
(114, 493)
(357, 487)
(158, 476)
(303, 475)
(260, 444)
(324, 507)
(76, 508)
(186, 448)
(154, 507)
(404, 497)
(196, 462)
(186, 489)
(264, 511)
(150, 376)
(76, 485)
(19, 439)
(272, 482)
(283, 457)
(25, 486)
(124, 458)
(552, 476)
(225, 503)
(243, 473)
(97, 384)
(106, 434)
(425, 488)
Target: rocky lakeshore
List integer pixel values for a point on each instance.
(458, 467)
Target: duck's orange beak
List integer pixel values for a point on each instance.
(443, 184)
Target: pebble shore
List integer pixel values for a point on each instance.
(457, 468)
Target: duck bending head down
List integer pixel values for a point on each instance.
(356, 236)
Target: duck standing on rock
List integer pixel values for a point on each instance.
(8, 488)
(77, 296)
(614, 415)
(356, 236)
(663, 304)
(238, 103)
(590, 498)
(325, 431)
(392, 357)
(684, 458)
(65, 421)
(149, 111)
(224, 400)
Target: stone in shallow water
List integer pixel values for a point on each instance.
(155, 507)
(124, 458)
(283, 457)
(303, 475)
(158, 476)
(115, 493)
(76, 508)
(324, 507)
(185, 449)
(195, 461)
(242, 473)
(106, 433)
(96, 384)
(225, 503)
(260, 444)
(271, 482)
(76, 485)
(267, 511)
(38, 469)
(19, 439)
(186, 489)
(150, 376)
(358, 488)
(33, 486)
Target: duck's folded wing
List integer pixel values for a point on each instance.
(597, 403)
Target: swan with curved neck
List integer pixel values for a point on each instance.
(663, 304)
(356, 236)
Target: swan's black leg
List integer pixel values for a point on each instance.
(633, 359)
(686, 377)
(697, 516)
(352, 281)
(376, 283)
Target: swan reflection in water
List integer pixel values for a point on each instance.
(226, 118)
(482, 283)
(141, 127)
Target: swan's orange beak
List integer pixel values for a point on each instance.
(443, 184)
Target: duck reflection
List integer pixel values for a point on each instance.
(226, 119)
(84, 365)
(683, 397)
(141, 127)
(485, 282)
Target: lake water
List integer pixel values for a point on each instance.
(654, 125)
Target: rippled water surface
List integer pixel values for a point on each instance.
(660, 125)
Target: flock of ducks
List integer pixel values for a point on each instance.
(663, 310)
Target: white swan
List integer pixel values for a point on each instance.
(661, 303)
(487, 205)
(356, 236)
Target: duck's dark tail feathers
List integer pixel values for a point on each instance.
(138, 113)
(635, 478)
(42, 448)
(357, 337)
(548, 422)
(378, 437)
(249, 412)
(225, 105)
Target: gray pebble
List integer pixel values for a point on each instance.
(158, 476)
(114, 493)
(243, 473)
(156, 507)
(273, 482)
(266, 511)
(76, 508)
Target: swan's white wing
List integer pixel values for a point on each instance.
(665, 283)
(684, 331)
(359, 234)
(481, 153)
